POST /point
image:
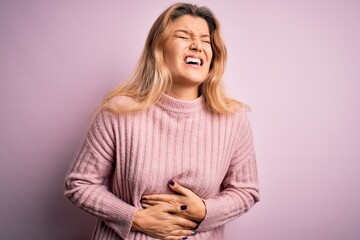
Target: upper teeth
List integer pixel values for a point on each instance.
(195, 60)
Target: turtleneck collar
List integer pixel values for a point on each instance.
(181, 106)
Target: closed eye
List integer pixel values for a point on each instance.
(206, 40)
(182, 37)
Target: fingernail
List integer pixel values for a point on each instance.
(172, 183)
(193, 233)
(183, 207)
(184, 237)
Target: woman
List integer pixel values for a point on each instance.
(168, 155)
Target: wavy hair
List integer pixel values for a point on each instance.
(152, 78)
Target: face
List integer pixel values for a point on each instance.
(187, 51)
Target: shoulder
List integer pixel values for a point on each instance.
(240, 120)
(242, 116)
(242, 113)
(120, 101)
(102, 119)
(244, 132)
(238, 112)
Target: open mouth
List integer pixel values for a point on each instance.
(193, 60)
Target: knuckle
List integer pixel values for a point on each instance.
(193, 225)
(164, 206)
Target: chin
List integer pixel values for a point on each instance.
(195, 79)
(190, 80)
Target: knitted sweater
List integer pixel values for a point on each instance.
(124, 157)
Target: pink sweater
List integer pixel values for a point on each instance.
(124, 157)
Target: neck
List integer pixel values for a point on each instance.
(184, 93)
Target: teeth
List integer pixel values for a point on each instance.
(193, 60)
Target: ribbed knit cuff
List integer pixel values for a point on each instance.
(123, 225)
(211, 218)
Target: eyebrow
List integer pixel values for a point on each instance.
(188, 33)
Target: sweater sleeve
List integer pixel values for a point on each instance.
(87, 178)
(240, 188)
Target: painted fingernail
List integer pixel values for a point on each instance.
(193, 233)
(172, 183)
(183, 207)
(184, 237)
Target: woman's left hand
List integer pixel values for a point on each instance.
(193, 208)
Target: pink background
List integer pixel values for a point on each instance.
(296, 63)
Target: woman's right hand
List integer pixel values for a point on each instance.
(161, 221)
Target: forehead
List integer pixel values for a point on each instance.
(192, 24)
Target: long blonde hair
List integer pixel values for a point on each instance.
(152, 78)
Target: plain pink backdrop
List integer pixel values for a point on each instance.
(296, 63)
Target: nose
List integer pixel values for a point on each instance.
(195, 45)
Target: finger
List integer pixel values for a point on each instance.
(173, 208)
(152, 202)
(176, 238)
(179, 189)
(176, 213)
(162, 197)
(144, 205)
(185, 223)
(183, 234)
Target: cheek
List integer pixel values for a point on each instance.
(166, 54)
(210, 56)
(170, 54)
(209, 52)
(168, 57)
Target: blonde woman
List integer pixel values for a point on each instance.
(168, 155)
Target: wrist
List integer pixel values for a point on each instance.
(136, 223)
(201, 213)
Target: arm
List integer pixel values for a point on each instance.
(85, 182)
(240, 185)
(86, 186)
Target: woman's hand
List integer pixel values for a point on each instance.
(162, 221)
(193, 208)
